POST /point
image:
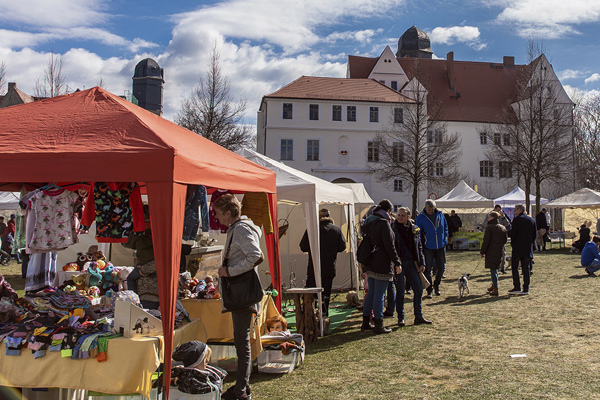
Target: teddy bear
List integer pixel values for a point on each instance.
(123, 274)
(79, 280)
(82, 259)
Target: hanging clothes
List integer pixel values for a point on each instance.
(215, 225)
(54, 227)
(255, 205)
(196, 200)
(41, 271)
(117, 209)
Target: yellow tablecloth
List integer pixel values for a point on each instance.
(219, 325)
(129, 368)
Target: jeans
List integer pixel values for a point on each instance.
(409, 270)
(242, 320)
(132, 279)
(526, 269)
(594, 266)
(440, 265)
(375, 298)
(494, 274)
(391, 297)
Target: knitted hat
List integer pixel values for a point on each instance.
(190, 353)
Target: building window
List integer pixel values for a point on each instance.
(374, 114)
(312, 150)
(398, 115)
(287, 110)
(434, 136)
(482, 138)
(497, 138)
(506, 140)
(398, 152)
(397, 185)
(313, 113)
(486, 169)
(372, 152)
(395, 85)
(505, 169)
(336, 113)
(351, 113)
(287, 149)
(437, 169)
(382, 81)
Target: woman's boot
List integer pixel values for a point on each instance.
(494, 292)
(366, 325)
(379, 328)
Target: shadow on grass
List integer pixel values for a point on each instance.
(582, 276)
(468, 300)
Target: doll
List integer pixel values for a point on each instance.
(276, 323)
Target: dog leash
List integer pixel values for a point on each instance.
(477, 266)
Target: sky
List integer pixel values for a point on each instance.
(265, 44)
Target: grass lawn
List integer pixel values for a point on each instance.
(465, 353)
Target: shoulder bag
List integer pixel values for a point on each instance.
(240, 292)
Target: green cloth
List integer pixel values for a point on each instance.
(337, 316)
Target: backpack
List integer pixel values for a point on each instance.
(365, 251)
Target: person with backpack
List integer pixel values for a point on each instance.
(380, 266)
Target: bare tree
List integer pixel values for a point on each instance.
(2, 77)
(416, 147)
(212, 112)
(587, 141)
(535, 136)
(53, 82)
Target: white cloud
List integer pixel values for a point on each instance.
(56, 13)
(570, 74)
(550, 18)
(362, 37)
(469, 35)
(593, 78)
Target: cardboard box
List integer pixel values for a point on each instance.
(131, 321)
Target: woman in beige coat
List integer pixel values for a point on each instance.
(494, 239)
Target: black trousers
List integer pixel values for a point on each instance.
(525, 267)
(242, 321)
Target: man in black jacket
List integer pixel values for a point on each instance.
(542, 225)
(522, 237)
(331, 242)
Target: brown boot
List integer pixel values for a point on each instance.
(490, 288)
(494, 292)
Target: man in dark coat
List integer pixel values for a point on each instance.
(542, 224)
(492, 248)
(331, 241)
(522, 236)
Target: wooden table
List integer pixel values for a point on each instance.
(307, 322)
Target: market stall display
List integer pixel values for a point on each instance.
(136, 146)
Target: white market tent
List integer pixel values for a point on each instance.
(362, 200)
(9, 200)
(465, 198)
(514, 197)
(294, 189)
(579, 206)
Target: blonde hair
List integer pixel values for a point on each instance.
(229, 202)
(273, 320)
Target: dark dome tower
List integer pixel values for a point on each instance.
(148, 82)
(414, 43)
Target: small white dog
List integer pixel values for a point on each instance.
(463, 284)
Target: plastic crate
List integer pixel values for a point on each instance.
(223, 356)
(275, 362)
(175, 394)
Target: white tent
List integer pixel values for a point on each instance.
(296, 188)
(463, 197)
(9, 200)
(579, 206)
(514, 197)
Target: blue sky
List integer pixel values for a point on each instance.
(265, 44)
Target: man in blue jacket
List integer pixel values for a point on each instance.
(522, 238)
(590, 256)
(434, 233)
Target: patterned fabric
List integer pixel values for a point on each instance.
(41, 271)
(54, 220)
(117, 210)
(196, 381)
(215, 225)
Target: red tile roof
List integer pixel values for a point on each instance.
(320, 88)
(485, 88)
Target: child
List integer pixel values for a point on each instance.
(196, 376)
(277, 324)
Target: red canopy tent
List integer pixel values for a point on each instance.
(93, 135)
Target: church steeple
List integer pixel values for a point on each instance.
(414, 43)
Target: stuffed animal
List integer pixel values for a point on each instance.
(123, 274)
(82, 259)
(79, 280)
(94, 291)
(69, 289)
(71, 267)
(95, 274)
(108, 278)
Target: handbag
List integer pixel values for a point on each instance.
(365, 251)
(240, 292)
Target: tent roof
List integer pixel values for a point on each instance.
(93, 135)
(582, 198)
(516, 196)
(295, 185)
(360, 193)
(9, 200)
(462, 196)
